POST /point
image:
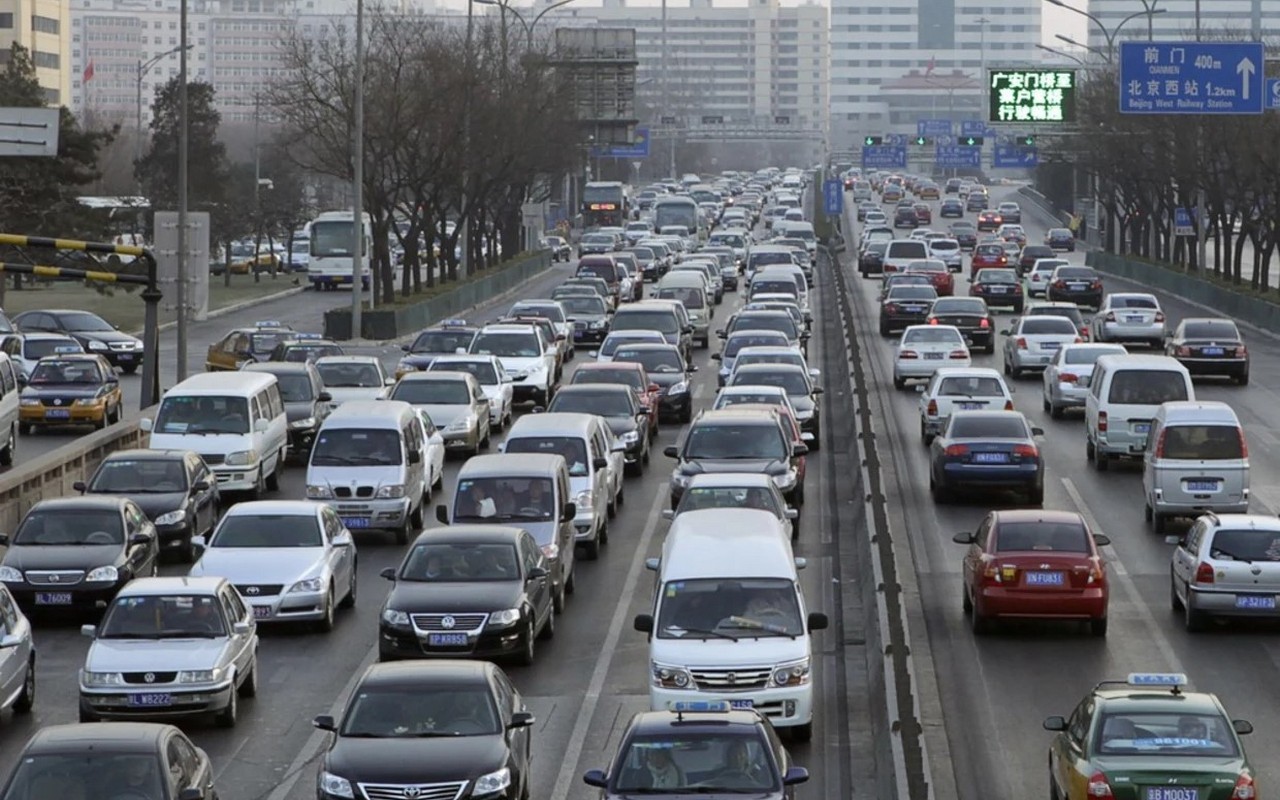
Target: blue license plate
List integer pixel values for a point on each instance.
(1142, 427)
(1050, 345)
(990, 458)
(355, 522)
(933, 356)
(1171, 793)
(1076, 287)
(261, 612)
(125, 356)
(742, 705)
(1202, 486)
(1214, 351)
(1256, 601)
(969, 406)
(57, 413)
(447, 639)
(150, 700)
(1045, 579)
(53, 598)
(996, 289)
(1133, 318)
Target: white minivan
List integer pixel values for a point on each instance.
(1125, 392)
(9, 392)
(734, 629)
(1196, 462)
(235, 420)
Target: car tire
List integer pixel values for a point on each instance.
(591, 548)
(686, 416)
(1194, 621)
(525, 657)
(966, 605)
(1175, 603)
(1098, 627)
(1035, 497)
(417, 517)
(557, 599)
(1241, 380)
(549, 627)
(1101, 461)
(802, 733)
(226, 718)
(979, 624)
(1045, 404)
(352, 587)
(259, 487)
(941, 494)
(86, 715)
(249, 688)
(325, 623)
(1159, 522)
(899, 383)
(9, 455)
(27, 697)
(926, 438)
(273, 480)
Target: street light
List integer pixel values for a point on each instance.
(143, 68)
(1082, 46)
(1148, 10)
(1062, 54)
(528, 26)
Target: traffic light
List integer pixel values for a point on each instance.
(971, 141)
(922, 140)
(872, 141)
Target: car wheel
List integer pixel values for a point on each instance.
(558, 600)
(1159, 522)
(402, 532)
(1147, 514)
(27, 697)
(926, 438)
(525, 657)
(1005, 364)
(1175, 603)
(941, 495)
(899, 383)
(1044, 402)
(1101, 461)
(417, 517)
(86, 715)
(1035, 497)
(549, 627)
(1098, 627)
(591, 548)
(259, 487)
(979, 624)
(10, 453)
(802, 733)
(250, 686)
(273, 480)
(226, 718)
(1192, 620)
(966, 605)
(352, 586)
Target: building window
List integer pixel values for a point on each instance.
(41, 24)
(46, 60)
(6, 20)
(53, 97)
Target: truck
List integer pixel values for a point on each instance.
(329, 262)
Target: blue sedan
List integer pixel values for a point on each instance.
(987, 450)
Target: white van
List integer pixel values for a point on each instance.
(690, 288)
(800, 229)
(9, 391)
(369, 463)
(733, 629)
(1196, 461)
(236, 421)
(901, 252)
(1125, 392)
(594, 457)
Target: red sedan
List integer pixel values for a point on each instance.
(1029, 563)
(990, 221)
(939, 276)
(924, 214)
(985, 256)
(628, 374)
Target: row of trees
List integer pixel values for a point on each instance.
(1143, 167)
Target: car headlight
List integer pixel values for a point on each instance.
(519, 375)
(679, 478)
(88, 401)
(594, 324)
(319, 493)
(492, 783)
(679, 388)
(398, 618)
(669, 677)
(95, 345)
(551, 551)
(785, 481)
(241, 458)
(584, 500)
(302, 424)
(509, 616)
(103, 574)
(101, 678)
(801, 416)
(10, 575)
(307, 585)
(31, 401)
(201, 675)
(335, 785)
(391, 492)
(405, 366)
(462, 423)
(630, 437)
(172, 517)
(794, 673)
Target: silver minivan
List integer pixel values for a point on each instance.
(1196, 461)
(529, 491)
(1125, 392)
(595, 460)
(369, 463)
(689, 287)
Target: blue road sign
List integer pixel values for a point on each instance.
(884, 156)
(1208, 78)
(1183, 222)
(1012, 157)
(973, 127)
(1273, 93)
(637, 149)
(933, 127)
(958, 156)
(944, 140)
(833, 197)
(896, 139)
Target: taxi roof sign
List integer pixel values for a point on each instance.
(1171, 679)
(453, 323)
(269, 323)
(699, 706)
(309, 336)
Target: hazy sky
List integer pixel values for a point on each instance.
(1055, 20)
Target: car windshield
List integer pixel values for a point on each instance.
(691, 763)
(420, 711)
(606, 272)
(455, 562)
(295, 388)
(774, 286)
(944, 245)
(726, 399)
(139, 476)
(932, 335)
(750, 497)
(737, 342)
(71, 527)
(716, 441)
(268, 530)
(511, 345)
(554, 313)
(787, 356)
(60, 371)
(482, 371)
(583, 305)
(734, 608)
(85, 322)
(1203, 442)
(505, 499)
(626, 377)
(1042, 536)
(603, 403)
(356, 447)
(1048, 325)
(959, 305)
(1213, 329)
(1148, 387)
(154, 616)
(987, 427)
(990, 250)
(970, 386)
(203, 415)
(691, 297)
(444, 341)
(1145, 301)
(598, 238)
(664, 360)
(782, 324)
(39, 348)
(266, 342)
(350, 375)
(662, 321)
(571, 448)
(81, 775)
(795, 382)
(1175, 734)
(299, 353)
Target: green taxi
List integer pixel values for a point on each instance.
(1144, 738)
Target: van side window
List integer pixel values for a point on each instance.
(6, 375)
(277, 404)
(258, 410)
(413, 437)
(1095, 384)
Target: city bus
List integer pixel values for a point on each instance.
(329, 263)
(679, 210)
(604, 203)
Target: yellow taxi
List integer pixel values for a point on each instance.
(244, 259)
(70, 389)
(928, 191)
(246, 346)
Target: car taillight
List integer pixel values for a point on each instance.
(1159, 316)
(1004, 260)
(959, 354)
(1021, 343)
(933, 320)
(892, 308)
(1097, 571)
(908, 354)
(956, 450)
(984, 323)
(1098, 786)
(1244, 789)
(932, 408)
(1241, 352)
(1204, 572)
(1025, 450)
(1096, 285)
(1182, 350)
(1160, 444)
(1080, 338)
(1244, 446)
(991, 574)
(1008, 405)
(1059, 284)
(1068, 377)
(1102, 421)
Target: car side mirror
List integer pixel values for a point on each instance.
(687, 329)
(717, 356)
(653, 387)
(671, 451)
(1037, 431)
(668, 514)
(140, 538)
(89, 630)
(692, 368)
(818, 621)
(799, 450)
(721, 334)
(241, 628)
(570, 511)
(1242, 727)
(536, 573)
(10, 640)
(795, 775)
(1101, 539)
(1175, 540)
(404, 348)
(595, 777)
(324, 722)
(800, 563)
(442, 514)
(520, 719)
(389, 573)
(1005, 332)
(599, 463)
(652, 564)
(1055, 723)
(964, 537)
(146, 424)
(643, 623)
(79, 486)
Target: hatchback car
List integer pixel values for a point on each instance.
(1032, 564)
(987, 256)
(903, 306)
(1010, 212)
(353, 378)
(1032, 253)
(1073, 284)
(998, 287)
(923, 349)
(1060, 239)
(947, 251)
(1012, 233)
(1066, 378)
(954, 389)
(871, 259)
(905, 217)
(986, 450)
(939, 274)
(924, 214)
(625, 374)
(976, 201)
(971, 316)
(667, 369)
(989, 221)
(965, 233)
(1130, 317)
(738, 341)
(1033, 340)
(1210, 346)
(1227, 565)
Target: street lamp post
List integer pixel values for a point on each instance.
(505, 8)
(357, 177)
(143, 68)
(1063, 54)
(183, 146)
(1109, 36)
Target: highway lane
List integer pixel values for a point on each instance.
(997, 690)
(587, 681)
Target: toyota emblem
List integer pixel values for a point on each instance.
(252, 590)
(448, 622)
(412, 791)
(150, 677)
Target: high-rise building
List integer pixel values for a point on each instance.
(43, 27)
(1258, 20)
(897, 61)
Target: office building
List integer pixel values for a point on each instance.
(1258, 20)
(896, 60)
(43, 27)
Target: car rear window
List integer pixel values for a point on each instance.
(1089, 355)
(1139, 302)
(913, 293)
(1040, 536)
(1211, 330)
(1203, 442)
(990, 250)
(985, 427)
(905, 249)
(997, 276)
(1048, 325)
(1245, 545)
(929, 334)
(1148, 387)
(970, 386)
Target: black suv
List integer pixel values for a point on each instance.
(906, 217)
(738, 440)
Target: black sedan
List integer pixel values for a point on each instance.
(903, 279)
(429, 730)
(906, 217)
(174, 488)
(471, 591)
(965, 233)
(951, 207)
(871, 259)
(1061, 239)
(904, 306)
(666, 367)
(73, 554)
(986, 450)
(619, 407)
(1079, 285)
(998, 287)
(94, 333)
(971, 316)
(1210, 346)
(590, 317)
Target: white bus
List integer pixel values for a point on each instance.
(329, 263)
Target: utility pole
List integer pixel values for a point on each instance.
(464, 229)
(183, 147)
(357, 174)
(1202, 230)
(666, 87)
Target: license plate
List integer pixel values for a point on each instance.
(57, 413)
(999, 289)
(53, 598)
(1171, 793)
(579, 334)
(355, 522)
(261, 612)
(1260, 601)
(125, 356)
(1133, 319)
(150, 700)
(1202, 486)
(447, 639)
(742, 705)
(990, 458)
(933, 356)
(1141, 427)
(1045, 579)
(970, 406)
(1076, 287)
(1213, 351)
(913, 309)
(1050, 345)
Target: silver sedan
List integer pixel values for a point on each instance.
(17, 657)
(291, 560)
(1066, 379)
(1130, 317)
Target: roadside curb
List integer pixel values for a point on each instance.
(233, 308)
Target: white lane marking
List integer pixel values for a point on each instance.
(573, 750)
(1130, 589)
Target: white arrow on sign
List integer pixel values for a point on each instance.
(1245, 69)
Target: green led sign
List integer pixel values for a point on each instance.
(1031, 95)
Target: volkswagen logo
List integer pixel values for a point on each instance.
(412, 791)
(731, 678)
(252, 590)
(57, 402)
(55, 578)
(447, 622)
(150, 677)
